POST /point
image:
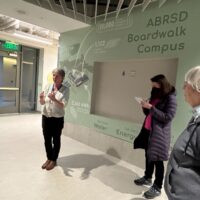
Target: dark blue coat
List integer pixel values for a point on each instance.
(158, 141)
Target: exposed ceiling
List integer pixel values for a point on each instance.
(19, 16)
(88, 10)
(13, 26)
(85, 10)
(39, 16)
(47, 18)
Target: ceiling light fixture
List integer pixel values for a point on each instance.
(12, 54)
(33, 38)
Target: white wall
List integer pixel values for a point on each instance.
(47, 62)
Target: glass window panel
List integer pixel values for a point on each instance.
(29, 64)
(7, 99)
(8, 72)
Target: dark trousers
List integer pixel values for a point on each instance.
(52, 129)
(159, 171)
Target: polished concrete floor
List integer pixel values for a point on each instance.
(83, 173)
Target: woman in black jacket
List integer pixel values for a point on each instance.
(154, 136)
(182, 180)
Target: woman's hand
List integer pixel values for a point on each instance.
(146, 104)
(42, 95)
(52, 96)
(42, 98)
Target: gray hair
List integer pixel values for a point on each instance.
(192, 77)
(61, 72)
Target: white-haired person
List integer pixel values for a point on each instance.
(54, 99)
(182, 180)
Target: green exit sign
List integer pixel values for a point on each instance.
(9, 46)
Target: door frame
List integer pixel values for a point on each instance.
(16, 89)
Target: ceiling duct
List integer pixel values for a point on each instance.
(12, 26)
(7, 23)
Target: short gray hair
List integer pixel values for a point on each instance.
(61, 72)
(192, 77)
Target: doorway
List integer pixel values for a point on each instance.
(28, 79)
(18, 78)
(9, 84)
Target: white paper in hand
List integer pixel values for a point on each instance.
(139, 99)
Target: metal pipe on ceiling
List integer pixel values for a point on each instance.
(63, 6)
(8, 24)
(95, 13)
(107, 7)
(120, 3)
(38, 2)
(85, 9)
(145, 4)
(161, 3)
(51, 4)
(131, 6)
(74, 7)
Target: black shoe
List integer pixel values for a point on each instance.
(153, 192)
(143, 181)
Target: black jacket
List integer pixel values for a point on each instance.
(182, 180)
(158, 141)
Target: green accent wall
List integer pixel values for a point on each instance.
(171, 31)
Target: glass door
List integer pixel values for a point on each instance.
(9, 84)
(28, 79)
